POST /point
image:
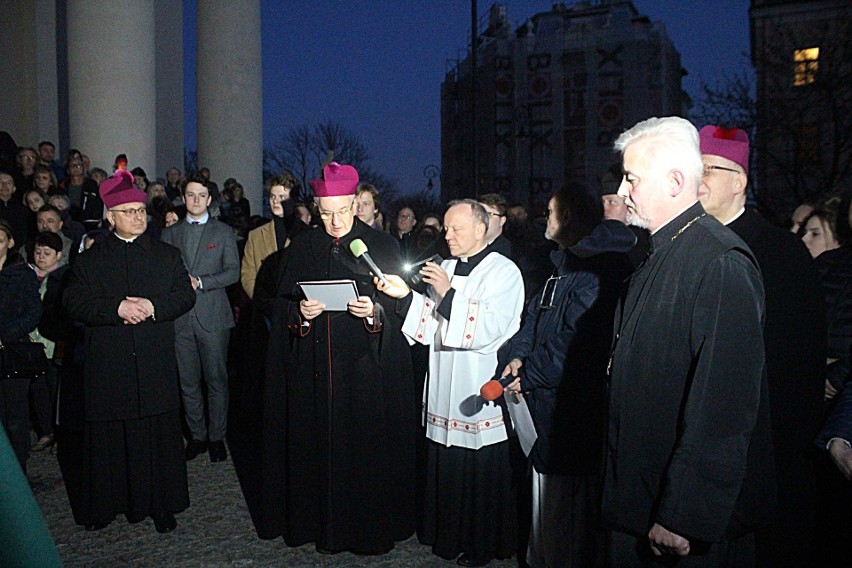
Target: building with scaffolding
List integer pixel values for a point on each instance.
(545, 101)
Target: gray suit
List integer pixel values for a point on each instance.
(209, 252)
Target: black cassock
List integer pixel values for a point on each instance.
(133, 459)
(689, 442)
(339, 408)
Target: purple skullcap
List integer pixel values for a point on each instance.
(336, 180)
(119, 189)
(729, 143)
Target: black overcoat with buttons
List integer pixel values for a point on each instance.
(130, 371)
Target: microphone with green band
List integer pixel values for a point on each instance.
(359, 249)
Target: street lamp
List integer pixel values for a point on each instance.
(431, 172)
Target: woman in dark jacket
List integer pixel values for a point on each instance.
(20, 312)
(560, 357)
(52, 330)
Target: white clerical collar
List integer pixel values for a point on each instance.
(200, 221)
(673, 217)
(130, 240)
(735, 217)
(470, 256)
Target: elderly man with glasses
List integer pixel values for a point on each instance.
(128, 290)
(340, 408)
(794, 339)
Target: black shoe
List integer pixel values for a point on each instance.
(96, 527)
(44, 442)
(468, 560)
(164, 523)
(194, 448)
(217, 450)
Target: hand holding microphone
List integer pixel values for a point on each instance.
(395, 288)
(359, 249)
(510, 380)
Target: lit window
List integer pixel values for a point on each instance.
(805, 66)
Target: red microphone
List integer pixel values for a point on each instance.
(493, 389)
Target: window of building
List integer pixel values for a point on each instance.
(805, 66)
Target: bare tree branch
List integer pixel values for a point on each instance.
(303, 150)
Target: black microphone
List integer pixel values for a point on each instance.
(359, 249)
(413, 270)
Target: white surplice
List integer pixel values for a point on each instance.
(486, 312)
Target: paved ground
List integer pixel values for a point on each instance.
(215, 531)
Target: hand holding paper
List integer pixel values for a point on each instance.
(310, 309)
(361, 307)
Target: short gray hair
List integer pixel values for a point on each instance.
(60, 197)
(676, 136)
(479, 212)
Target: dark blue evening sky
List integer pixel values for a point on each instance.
(376, 67)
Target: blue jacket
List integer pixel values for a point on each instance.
(564, 349)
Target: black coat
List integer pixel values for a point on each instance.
(795, 355)
(339, 420)
(20, 304)
(16, 213)
(55, 324)
(689, 442)
(130, 370)
(90, 208)
(835, 272)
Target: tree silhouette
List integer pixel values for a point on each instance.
(304, 149)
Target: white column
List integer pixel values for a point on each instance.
(111, 81)
(229, 95)
(45, 58)
(169, 69)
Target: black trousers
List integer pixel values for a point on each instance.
(43, 398)
(15, 413)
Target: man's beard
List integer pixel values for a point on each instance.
(637, 220)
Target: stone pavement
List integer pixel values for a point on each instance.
(216, 530)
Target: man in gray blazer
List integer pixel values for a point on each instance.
(209, 251)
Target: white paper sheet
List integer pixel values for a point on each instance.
(335, 294)
(522, 420)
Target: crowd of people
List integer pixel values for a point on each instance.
(671, 369)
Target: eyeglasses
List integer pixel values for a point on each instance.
(406, 217)
(495, 214)
(346, 211)
(130, 212)
(708, 169)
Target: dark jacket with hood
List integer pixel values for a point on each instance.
(564, 350)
